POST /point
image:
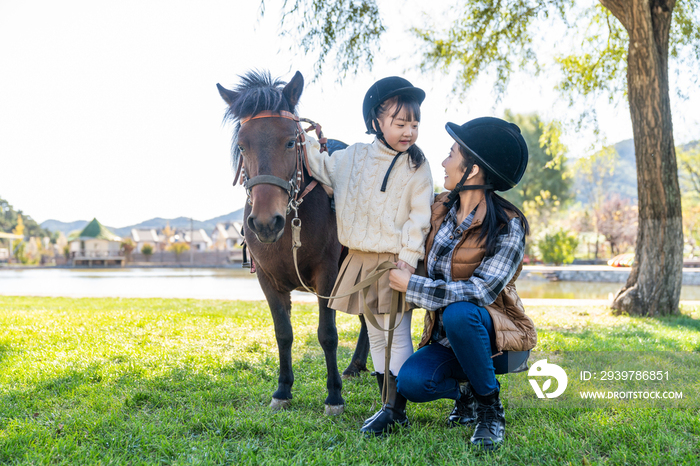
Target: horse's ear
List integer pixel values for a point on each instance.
(228, 96)
(293, 90)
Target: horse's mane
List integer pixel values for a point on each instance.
(257, 92)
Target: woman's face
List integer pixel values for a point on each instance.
(453, 167)
(400, 132)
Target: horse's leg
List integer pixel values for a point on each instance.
(281, 308)
(358, 363)
(328, 338)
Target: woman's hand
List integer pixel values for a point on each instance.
(404, 266)
(399, 278)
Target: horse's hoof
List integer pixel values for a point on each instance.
(353, 370)
(277, 404)
(334, 410)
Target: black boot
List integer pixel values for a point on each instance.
(380, 382)
(392, 414)
(490, 423)
(464, 412)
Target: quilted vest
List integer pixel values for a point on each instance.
(514, 330)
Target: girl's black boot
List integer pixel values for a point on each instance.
(380, 382)
(392, 414)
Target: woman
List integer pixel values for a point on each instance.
(476, 326)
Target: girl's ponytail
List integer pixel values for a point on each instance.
(416, 155)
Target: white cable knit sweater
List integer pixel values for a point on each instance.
(396, 221)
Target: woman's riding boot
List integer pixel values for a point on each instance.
(380, 382)
(490, 422)
(464, 412)
(392, 414)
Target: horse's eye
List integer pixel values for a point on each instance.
(290, 144)
(241, 148)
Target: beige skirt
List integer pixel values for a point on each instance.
(355, 268)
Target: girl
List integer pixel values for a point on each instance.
(383, 193)
(477, 326)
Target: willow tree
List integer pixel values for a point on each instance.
(623, 52)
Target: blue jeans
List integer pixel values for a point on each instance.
(434, 371)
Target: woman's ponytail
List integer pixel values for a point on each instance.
(496, 221)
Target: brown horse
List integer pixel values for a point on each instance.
(266, 143)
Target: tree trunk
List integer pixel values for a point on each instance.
(654, 284)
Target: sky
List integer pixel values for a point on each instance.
(110, 109)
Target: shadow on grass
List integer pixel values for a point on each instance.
(616, 339)
(679, 322)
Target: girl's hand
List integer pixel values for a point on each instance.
(399, 278)
(404, 266)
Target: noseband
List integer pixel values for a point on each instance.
(293, 186)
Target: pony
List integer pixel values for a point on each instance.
(267, 146)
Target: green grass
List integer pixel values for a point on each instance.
(156, 381)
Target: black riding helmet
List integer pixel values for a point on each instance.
(384, 89)
(498, 148)
(380, 91)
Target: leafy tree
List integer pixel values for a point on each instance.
(20, 253)
(689, 165)
(689, 173)
(595, 180)
(617, 221)
(9, 218)
(621, 50)
(546, 174)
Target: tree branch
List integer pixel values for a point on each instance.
(620, 9)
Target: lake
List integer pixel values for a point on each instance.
(228, 283)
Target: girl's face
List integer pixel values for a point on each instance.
(454, 170)
(400, 132)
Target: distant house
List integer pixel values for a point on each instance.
(199, 240)
(95, 245)
(226, 236)
(145, 237)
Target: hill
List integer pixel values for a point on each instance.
(622, 181)
(156, 223)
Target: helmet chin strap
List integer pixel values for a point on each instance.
(380, 136)
(454, 194)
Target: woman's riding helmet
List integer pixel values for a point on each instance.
(384, 89)
(497, 146)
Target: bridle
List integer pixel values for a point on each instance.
(293, 186)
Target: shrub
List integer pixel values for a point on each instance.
(147, 250)
(558, 248)
(178, 249)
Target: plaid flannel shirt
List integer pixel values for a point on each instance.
(482, 288)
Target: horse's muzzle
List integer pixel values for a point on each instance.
(267, 231)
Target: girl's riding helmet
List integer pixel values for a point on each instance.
(384, 89)
(497, 146)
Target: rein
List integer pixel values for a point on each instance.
(293, 187)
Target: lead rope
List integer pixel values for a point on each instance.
(398, 300)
